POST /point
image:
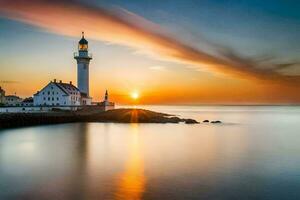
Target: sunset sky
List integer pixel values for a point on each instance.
(167, 52)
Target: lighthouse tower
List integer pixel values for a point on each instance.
(83, 60)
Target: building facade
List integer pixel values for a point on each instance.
(13, 100)
(27, 102)
(58, 94)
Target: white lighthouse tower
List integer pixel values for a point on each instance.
(83, 60)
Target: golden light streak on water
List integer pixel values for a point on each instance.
(131, 183)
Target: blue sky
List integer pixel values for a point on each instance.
(253, 27)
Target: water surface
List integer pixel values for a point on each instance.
(254, 154)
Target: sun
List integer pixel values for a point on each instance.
(135, 95)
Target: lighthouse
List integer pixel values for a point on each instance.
(83, 60)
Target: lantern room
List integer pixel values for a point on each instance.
(83, 44)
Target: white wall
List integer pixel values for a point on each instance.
(13, 101)
(52, 95)
(86, 101)
(83, 75)
(109, 107)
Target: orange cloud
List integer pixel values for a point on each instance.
(125, 28)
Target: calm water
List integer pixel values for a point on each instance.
(254, 154)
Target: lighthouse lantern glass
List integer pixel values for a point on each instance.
(83, 47)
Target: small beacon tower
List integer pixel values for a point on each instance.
(106, 102)
(83, 60)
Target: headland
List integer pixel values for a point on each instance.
(11, 120)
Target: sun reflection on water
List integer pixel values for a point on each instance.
(131, 183)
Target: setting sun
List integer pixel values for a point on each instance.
(135, 95)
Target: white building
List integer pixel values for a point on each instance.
(13, 100)
(58, 94)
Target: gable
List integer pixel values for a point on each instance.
(51, 85)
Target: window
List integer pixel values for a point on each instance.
(53, 93)
(48, 92)
(52, 98)
(51, 88)
(44, 98)
(83, 46)
(43, 92)
(48, 98)
(57, 99)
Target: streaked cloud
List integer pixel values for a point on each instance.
(8, 82)
(123, 27)
(158, 68)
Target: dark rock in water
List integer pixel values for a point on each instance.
(174, 119)
(206, 121)
(216, 122)
(190, 121)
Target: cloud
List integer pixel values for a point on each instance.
(157, 68)
(120, 26)
(8, 82)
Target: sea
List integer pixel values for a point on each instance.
(253, 154)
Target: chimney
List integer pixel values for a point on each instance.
(54, 80)
(60, 81)
(70, 82)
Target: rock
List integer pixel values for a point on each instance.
(206, 121)
(190, 121)
(216, 122)
(171, 120)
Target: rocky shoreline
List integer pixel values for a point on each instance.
(11, 120)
